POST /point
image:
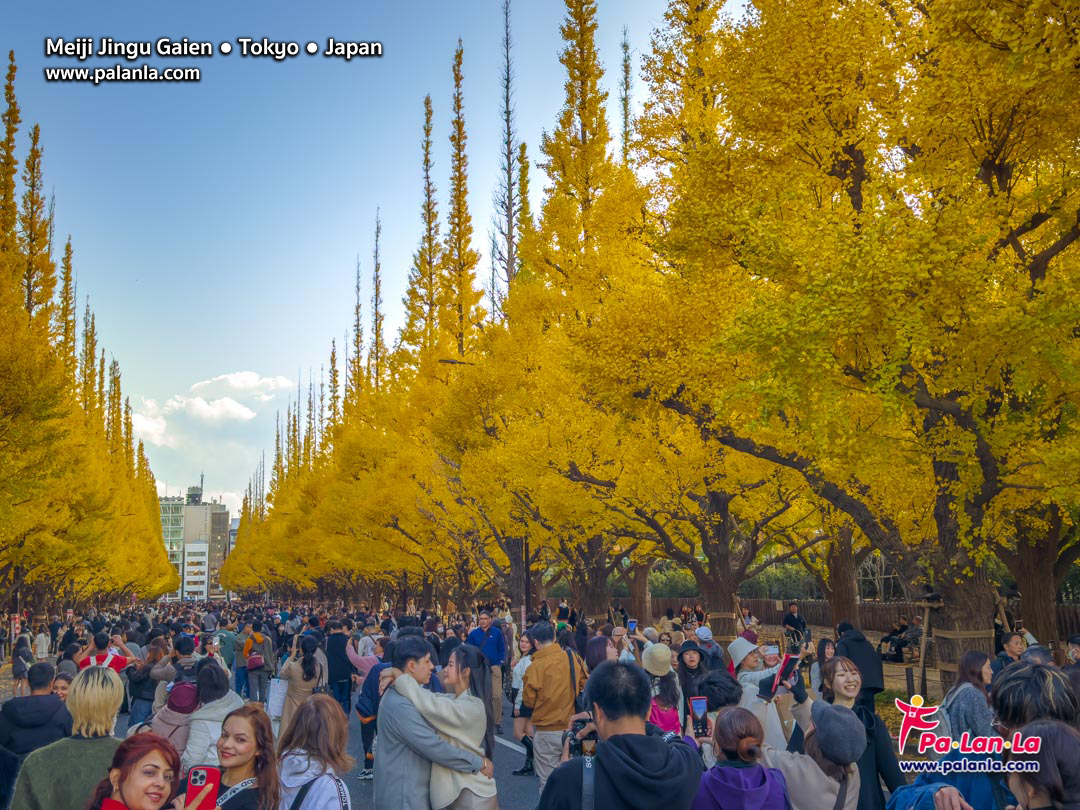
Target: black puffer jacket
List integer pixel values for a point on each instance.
(30, 723)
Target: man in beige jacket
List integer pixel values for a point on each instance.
(549, 687)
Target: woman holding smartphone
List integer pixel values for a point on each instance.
(249, 775)
(144, 773)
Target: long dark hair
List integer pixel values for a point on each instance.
(969, 670)
(127, 756)
(319, 729)
(266, 766)
(1059, 761)
(308, 645)
(596, 651)
(666, 690)
(471, 658)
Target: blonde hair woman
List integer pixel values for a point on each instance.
(94, 700)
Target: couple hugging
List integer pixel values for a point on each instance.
(435, 749)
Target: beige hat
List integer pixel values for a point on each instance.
(739, 649)
(657, 660)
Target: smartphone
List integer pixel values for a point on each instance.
(631, 626)
(588, 748)
(772, 650)
(700, 708)
(198, 778)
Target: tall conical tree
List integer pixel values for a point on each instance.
(377, 353)
(128, 438)
(465, 315)
(505, 246)
(625, 85)
(65, 318)
(114, 412)
(354, 364)
(424, 297)
(8, 162)
(38, 268)
(88, 364)
(101, 393)
(334, 417)
(525, 226)
(578, 166)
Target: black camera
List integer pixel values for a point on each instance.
(797, 639)
(586, 746)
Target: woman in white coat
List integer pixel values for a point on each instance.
(216, 701)
(749, 671)
(463, 718)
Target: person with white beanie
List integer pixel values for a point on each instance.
(748, 662)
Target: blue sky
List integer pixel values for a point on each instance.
(216, 225)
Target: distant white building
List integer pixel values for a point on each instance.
(196, 536)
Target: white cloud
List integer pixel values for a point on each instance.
(215, 410)
(152, 429)
(245, 382)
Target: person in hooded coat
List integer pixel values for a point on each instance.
(32, 722)
(634, 769)
(853, 645)
(738, 780)
(313, 753)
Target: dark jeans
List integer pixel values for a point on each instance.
(367, 735)
(342, 693)
(141, 709)
(242, 682)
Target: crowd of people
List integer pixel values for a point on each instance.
(252, 704)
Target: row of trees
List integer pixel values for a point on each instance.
(824, 300)
(79, 514)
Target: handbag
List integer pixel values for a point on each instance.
(255, 661)
(275, 699)
(579, 700)
(320, 688)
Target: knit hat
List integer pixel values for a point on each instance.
(657, 660)
(183, 697)
(739, 649)
(841, 735)
(749, 635)
(704, 633)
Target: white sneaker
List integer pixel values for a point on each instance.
(365, 775)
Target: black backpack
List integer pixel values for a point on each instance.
(185, 673)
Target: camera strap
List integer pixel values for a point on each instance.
(588, 783)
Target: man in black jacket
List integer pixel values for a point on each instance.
(32, 722)
(339, 668)
(633, 769)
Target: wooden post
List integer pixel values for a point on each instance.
(909, 674)
(922, 645)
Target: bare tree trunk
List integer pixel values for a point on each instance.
(640, 596)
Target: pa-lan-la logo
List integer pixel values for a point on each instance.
(917, 717)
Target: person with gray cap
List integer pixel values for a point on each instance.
(825, 777)
(712, 652)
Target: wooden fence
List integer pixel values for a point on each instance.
(877, 617)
